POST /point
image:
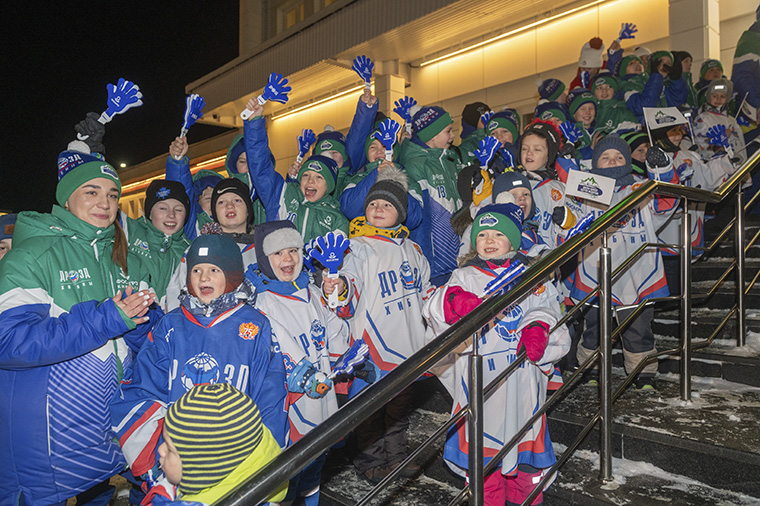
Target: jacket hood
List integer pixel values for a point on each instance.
(60, 223)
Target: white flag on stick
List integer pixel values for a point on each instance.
(661, 117)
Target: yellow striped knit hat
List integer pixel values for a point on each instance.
(214, 428)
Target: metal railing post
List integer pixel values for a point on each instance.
(741, 330)
(605, 359)
(475, 425)
(685, 302)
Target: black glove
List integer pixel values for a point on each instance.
(657, 158)
(676, 69)
(568, 151)
(94, 130)
(366, 372)
(563, 217)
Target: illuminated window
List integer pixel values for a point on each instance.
(294, 15)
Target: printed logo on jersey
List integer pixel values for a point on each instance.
(289, 363)
(201, 369)
(141, 245)
(248, 330)
(327, 221)
(507, 326)
(556, 194)
(163, 192)
(407, 276)
(75, 278)
(318, 335)
(539, 290)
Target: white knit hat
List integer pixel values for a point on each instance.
(592, 54)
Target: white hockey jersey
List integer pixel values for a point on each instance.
(389, 280)
(305, 328)
(522, 394)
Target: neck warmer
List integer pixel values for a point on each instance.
(244, 293)
(263, 283)
(622, 174)
(360, 228)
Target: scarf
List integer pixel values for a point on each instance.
(360, 228)
(622, 174)
(243, 293)
(263, 283)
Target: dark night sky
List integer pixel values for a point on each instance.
(57, 58)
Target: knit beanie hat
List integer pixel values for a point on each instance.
(681, 55)
(550, 89)
(391, 185)
(237, 147)
(430, 121)
(603, 79)
(506, 218)
(549, 133)
(611, 141)
(654, 59)
(577, 98)
(214, 428)
(271, 237)
(7, 224)
(163, 189)
(719, 85)
(592, 54)
(509, 181)
(219, 250)
(76, 166)
(707, 65)
(634, 139)
(642, 51)
(549, 110)
(324, 166)
(472, 112)
(232, 185)
(330, 140)
(622, 66)
(508, 118)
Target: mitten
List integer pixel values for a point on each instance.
(457, 303)
(535, 338)
(676, 70)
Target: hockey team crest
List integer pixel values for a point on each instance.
(407, 276)
(315, 166)
(507, 326)
(163, 192)
(326, 146)
(108, 171)
(201, 369)
(556, 195)
(248, 330)
(318, 335)
(488, 220)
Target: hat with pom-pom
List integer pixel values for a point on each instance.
(76, 166)
(391, 185)
(331, 140)
(505, 218)
(550, 89)
(592, 54)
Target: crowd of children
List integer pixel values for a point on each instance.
(253, 287)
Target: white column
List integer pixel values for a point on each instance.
(695, 27)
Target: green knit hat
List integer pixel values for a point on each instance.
(324, 166)
(331, 140)
(506, 218)
(430, 121)
(707, 65)
(214, 427)
(578, 99)
(603, 79)
(508, 119)
(623, 65)
(76, 167)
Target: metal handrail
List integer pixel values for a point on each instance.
(293, 459)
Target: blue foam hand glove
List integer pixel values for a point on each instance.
(305, 141)
(486, 117)
(276, 90)
(505, 278)
(627, 31)
(743, 120)
(509, 159)
(717, 136)
(355, 355)
(121, 97)
(486, 149)
(194, 105)
(306, 379)
(403, 109)
(581, 226)
(585, 77)
(329, 250)
(364, 67)
(571, 131)
(387, 135)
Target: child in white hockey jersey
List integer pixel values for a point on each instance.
(386, 279)
(645, 278)
(496, 237)
(308, 333)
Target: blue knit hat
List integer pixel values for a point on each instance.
(510, 180)
(76, 167)
(506, 218)
(219, 250)
(324, 166)
(612, 141)
(551, 89)
(549, 110)
(331, 140)
(430, 121)
(7, 224)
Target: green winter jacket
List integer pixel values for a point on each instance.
(610, 114)
(160, 253)
(469, 145)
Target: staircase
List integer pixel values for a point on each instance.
(666, 451)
